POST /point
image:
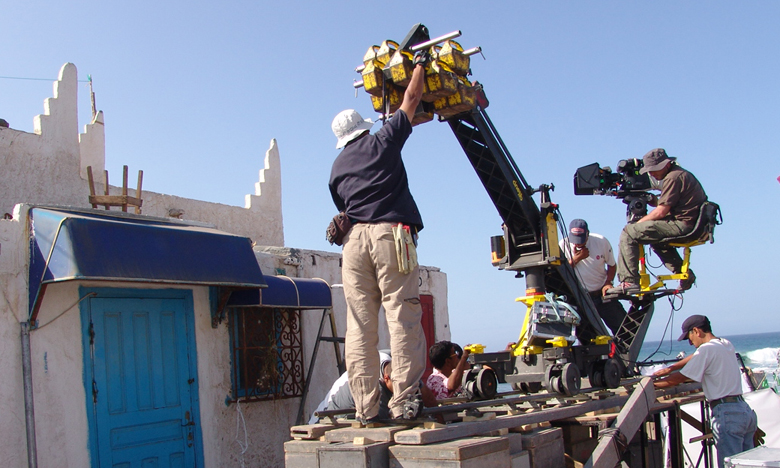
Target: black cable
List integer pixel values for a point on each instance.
(667, 328)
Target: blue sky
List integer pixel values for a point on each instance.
(193, 92)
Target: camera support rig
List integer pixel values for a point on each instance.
(629, 185)
(559, 311)
(545, 353)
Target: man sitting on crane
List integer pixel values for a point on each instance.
(675, 214)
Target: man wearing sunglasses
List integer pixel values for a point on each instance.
(449, 362)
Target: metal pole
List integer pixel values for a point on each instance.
(299, 418)
(29, 407)
(434, 41)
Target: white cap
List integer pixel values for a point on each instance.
(348, 125)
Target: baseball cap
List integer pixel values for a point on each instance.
(694, 321)
(655, 160)
(348, 125)
(578, 231)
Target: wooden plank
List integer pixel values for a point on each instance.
(693, 422)
(138, 191)
(511, 421)
(114, 200)
(91, 184)
(462, 449)
(630, 418)
(312, 431)
(467, 429)
(124, 187)
(377, 434)
(106, 187)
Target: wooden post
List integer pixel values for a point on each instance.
(628, 421)
(91, 186)
(124, 188)
(138, 192)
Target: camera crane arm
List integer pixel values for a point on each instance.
(530, 234)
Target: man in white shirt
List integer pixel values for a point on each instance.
(591, 256)
(714, 364)
(343, 381)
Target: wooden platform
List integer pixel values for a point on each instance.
(501, 419)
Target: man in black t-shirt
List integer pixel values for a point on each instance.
(368, 182)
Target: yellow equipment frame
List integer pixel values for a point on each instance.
(644, 276)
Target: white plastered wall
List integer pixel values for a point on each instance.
(13, 287)
(49, 166)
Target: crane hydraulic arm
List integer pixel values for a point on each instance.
(530, 237)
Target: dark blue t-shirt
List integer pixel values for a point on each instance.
(368, 180)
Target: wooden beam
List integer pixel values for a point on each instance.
(138, 191)
(628, 421)
(124, 187)
(467, 429)
(693, 422)
(91, 184)
(114, 200)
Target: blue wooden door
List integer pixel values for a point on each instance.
(143, 387)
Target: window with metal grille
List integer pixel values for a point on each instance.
(267, 353)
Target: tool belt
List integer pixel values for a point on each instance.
(338, 228)
(405, 248)
(726, 399)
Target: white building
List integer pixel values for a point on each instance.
(120, 337)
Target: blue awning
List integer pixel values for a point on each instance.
(284, 291)
(81, 245)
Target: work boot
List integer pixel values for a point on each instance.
(687, 283)
(624, 288)
(367, 422)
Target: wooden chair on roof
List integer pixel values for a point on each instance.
(123, 200)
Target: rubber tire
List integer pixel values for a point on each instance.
(570, 379)
(597, 380)
(612, 371)
(487, 384)
(597, 374)
(557, 384)
(532, 387)
(548, 379)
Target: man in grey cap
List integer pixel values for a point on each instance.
(591, 256)
(368, 182)
(675, 214)
(714, 364)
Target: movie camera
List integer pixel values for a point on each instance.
(626, 184)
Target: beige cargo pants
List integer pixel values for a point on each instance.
(371, 279)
